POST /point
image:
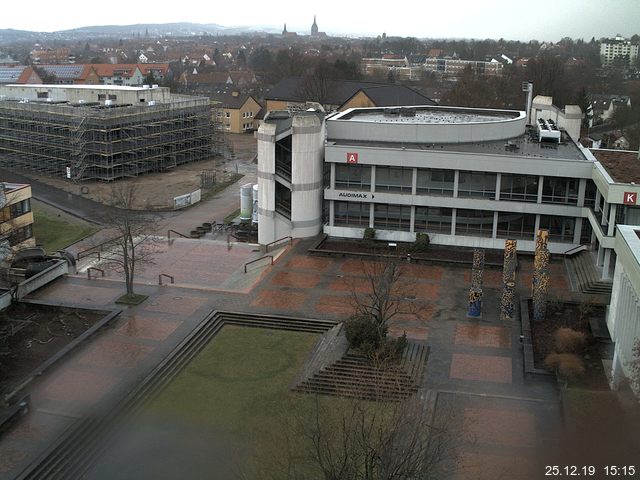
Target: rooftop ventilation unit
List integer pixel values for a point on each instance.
(547, 131)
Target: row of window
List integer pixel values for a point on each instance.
(19, 235)
(15, 210)
(521, 188)
(478, 223)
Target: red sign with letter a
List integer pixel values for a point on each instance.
(352, 158)
(630, 198)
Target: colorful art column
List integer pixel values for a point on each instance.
(475, 292)
(508, 279)
(540, 276)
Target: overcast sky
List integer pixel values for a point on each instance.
(509, 19)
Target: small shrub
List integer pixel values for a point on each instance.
(361, 333)
(568, 340)
(421, 244)
(568, 365)
(369, 234)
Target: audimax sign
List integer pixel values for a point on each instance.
(359, 195)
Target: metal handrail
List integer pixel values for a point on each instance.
(290, 238)
(96, 269)
(170, 277)
(577, 249)
(176, 232)
(91, 250)
(256, 260)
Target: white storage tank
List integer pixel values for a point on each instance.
(246, 203)
(254, 215)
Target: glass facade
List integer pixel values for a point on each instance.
(477, 184)
(521, 188)
(560, 190)
(351, 214)
(435, 182)
(394, 179)
(560, 228)
(433, 219)
(477, 223)
(392, 217)
(353, 177)
(516, 225)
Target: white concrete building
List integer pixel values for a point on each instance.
(623, 319)
(290, 175)
(466, 176)
(618, 47)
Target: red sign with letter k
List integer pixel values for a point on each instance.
(630, 198)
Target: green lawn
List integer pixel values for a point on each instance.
(55, 233)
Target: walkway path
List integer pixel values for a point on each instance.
(474, 370)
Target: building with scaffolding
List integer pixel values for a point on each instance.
(100, 132)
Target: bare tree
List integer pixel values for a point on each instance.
(354, 439)
(134, 245)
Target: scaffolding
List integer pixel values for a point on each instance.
(95, 142)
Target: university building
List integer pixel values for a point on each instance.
(466, 176)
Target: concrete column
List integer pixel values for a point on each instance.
(582, 188)
(498, 181)
(456, 178)
(332, 182)
(413, 214)
(597, 201)
(600, 257)
(372, 207)
(605, 263)
(540, 185)
(414, 183)
(577, 230)
(332, 211)
(453, 218)
(613, 208)
(616, 370)
(605, 214)
(494, 231)
(373, 179)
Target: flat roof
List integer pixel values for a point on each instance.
(83, 87)
(623, 166)
(521, 146)
(427, 114)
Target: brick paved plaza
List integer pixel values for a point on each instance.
(475, 365)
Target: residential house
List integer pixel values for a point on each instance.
(235, 112)
(16, 218)
(292, 94)
(68, 74)
(602, 107)
(19, 74)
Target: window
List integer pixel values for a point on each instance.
(435, 182)
(590, 194)
(560, 228)
(353, 177)
(351, 214)
(112, 97)
(560, 190)
(394, 179)
(43, 94)
(478, 223)
(392, 217)
(522, 188)
(20, 235)
(433, 219)
(102, 96)
(516, 225)
(477, 184)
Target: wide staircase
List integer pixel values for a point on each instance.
(355, 375)
(587, 275)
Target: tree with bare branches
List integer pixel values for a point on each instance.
(134, 244)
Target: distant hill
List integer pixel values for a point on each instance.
(127, 31)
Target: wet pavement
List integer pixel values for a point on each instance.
(475, 366)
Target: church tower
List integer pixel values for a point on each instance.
(314, 27)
